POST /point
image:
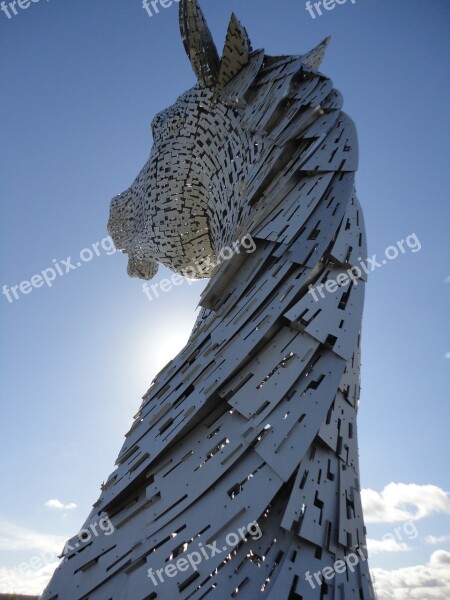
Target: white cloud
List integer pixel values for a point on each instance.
(447, 279)
(447, 355)
(58, 505)
(386, 545)
(403, 502)
(434, 540)
(14, 537)
(440, 558)
(41, 551)
(25, 582)
(430, 581)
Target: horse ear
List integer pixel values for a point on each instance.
(198, 43)
(314, 57)
(236, 52)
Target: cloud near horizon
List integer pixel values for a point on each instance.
(386, 545)
(16, 538)
(430, 581)
(404, 502)
(30, 582)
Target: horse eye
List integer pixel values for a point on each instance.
(176, 123)
(166, 125)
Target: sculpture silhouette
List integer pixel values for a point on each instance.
(244, 451)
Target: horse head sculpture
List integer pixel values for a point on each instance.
(251, 428)
(191, 197)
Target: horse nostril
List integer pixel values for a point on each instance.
(141, 268)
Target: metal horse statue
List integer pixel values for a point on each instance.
(239, 477)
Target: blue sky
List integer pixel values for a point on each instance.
(81, 82)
